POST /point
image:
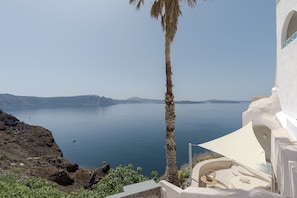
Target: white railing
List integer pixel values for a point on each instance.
(289, 40)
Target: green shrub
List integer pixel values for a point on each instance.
(83, 193)
(11, 186)
(155, 176)
(116, 179)
(183, 175)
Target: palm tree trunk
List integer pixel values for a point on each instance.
(171, 165)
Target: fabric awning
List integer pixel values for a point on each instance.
(241, 146)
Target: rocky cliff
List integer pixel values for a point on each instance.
(32, 151)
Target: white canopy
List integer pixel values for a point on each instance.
(242, 146)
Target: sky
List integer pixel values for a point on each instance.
(223, 49)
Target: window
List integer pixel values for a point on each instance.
(290, 29)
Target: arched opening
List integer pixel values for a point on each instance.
(289, 32)
(292, 28)
(263, 135)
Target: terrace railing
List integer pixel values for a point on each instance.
(289, 40)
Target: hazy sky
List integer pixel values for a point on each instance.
(223, 49)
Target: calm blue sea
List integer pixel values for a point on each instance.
(133, 133)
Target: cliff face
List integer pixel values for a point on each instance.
(24, 140)
(32, 151)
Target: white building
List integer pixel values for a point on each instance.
(275, 118)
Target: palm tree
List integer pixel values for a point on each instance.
(169, 11)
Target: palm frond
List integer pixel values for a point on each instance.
(138, 3)
(191, 3)
(157, 8)
(163, 22)
(172, 13)
(168, 10)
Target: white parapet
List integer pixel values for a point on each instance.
(284, 162)
(171, 191)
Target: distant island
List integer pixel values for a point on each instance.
(13, 102)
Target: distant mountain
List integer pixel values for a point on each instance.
(12, 102)
(144, 100)
(189, 102)
(223, 101)
(9, 102)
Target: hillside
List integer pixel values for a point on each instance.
(32, 151)
(11, 102)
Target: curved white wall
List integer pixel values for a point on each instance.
(286, 68)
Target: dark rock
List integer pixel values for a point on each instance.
(105, 168)
(2, 128)
(55, 161)
(13, 140)
(59, 151)
(61, 178)
(97, 175)
(9, 120)
(50, 142)
(31, 139)
(71, 167)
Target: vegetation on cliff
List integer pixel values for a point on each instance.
(12, 185)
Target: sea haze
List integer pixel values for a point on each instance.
(133, 133)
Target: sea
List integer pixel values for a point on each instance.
(133, 133)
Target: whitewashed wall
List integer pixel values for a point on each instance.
(286, 68)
